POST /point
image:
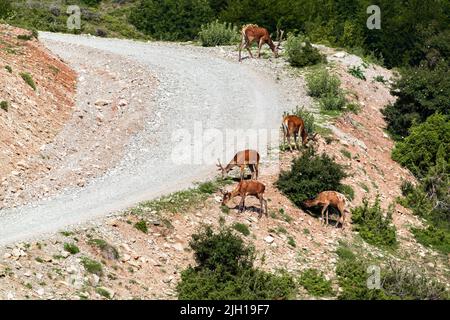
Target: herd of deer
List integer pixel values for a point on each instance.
(293, 126)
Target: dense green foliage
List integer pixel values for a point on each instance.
(310, 174)
(217, 33)
(418, 151)
(373, 226)
(397, 282)
(28, 79)
(430, 199)
(315, 283)
(171, 19)
(225, 271)
(301, 53)
(327, 88)
(5, 8)
(420, 93)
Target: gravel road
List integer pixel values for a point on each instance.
(194, 88)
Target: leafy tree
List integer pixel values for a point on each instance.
(418, 152)
(171, 19)
(5, 8)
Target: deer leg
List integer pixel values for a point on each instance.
(241, 46)
(242, 204)
(261, 201)
(265, 205)
(289, 141)
(249, 49)
(260, 44)
(257, 170)
(252, 169)
(296, 141)
(325, 207)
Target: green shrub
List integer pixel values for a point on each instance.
(418, 152)
(357, 72)
(242, 228)
(373, 226)
(321, 83)
(420, 92)
(92, 266)
(28, 79)
(91, 2)
(71, 248)
(301, 53)
(433, 237)
(218, 34)
(220, 251)
(332, 102)
(25, 37)
(8, 68)
(171, 19)
(380, 79)
(141, 225)
(310, 174)
(103, 292)
(5, 8)
(225, 271)
(315, 283)
(4, 105)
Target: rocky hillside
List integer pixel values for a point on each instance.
(141, 252)
(37, 95)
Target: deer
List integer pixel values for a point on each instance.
(241, 159)
(247, 188)
(292, 126)
(253, 33)
(330, 198)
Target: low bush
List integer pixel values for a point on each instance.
(225, 271)
(357, 72)
(242, 228)
(321, 83)
(218, 34)
(310, 174)
(25, 37)
(373, 226)
(4, 105)
(315, 283)
(92, 266)
(108, 251)
(28, 79)
(141, 225)
(8, 68)
(301, 53)
(71, 248)
(436, 238)
(327, 89)
(396, 282)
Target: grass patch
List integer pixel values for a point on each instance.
(9, 69)
(315, 283)
(71, 248)
(181, 201)
(291, 241)
(346, 153)
(28, 79)
(25, 37)
(242, 228)
(433, 237)
(141, 225)
(380, 79)
(103, 292)
(92, 266)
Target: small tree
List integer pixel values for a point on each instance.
(301, 53)
(311, 174)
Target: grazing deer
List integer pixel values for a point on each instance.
(241, 159)
(247, 188)
(292, 126)
(253, 33)
(330, 198)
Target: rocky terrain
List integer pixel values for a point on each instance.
(33, 117)
(115, 260)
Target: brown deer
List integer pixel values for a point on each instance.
(241, 159)
(330, 198)
(292, 126)
(247, 188)
(253, 33)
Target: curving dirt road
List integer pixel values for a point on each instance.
(194, 88)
